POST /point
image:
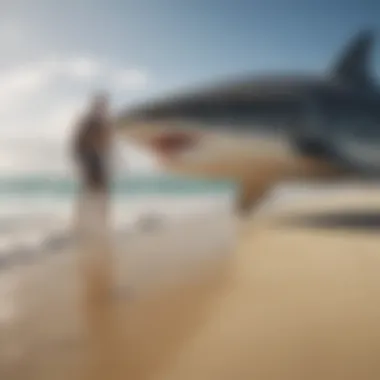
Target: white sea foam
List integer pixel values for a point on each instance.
(30, 228)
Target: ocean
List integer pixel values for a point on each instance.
(36, 210)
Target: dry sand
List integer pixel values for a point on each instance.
(288, 304)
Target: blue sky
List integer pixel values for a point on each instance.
(54, 53)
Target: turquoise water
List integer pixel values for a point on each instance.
(36, 211)
(129, 186)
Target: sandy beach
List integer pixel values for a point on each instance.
(288, 302)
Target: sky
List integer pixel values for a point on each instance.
(54, 54)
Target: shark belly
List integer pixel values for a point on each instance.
(256, 160)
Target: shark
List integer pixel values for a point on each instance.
(259, 130)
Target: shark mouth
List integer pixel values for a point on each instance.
(171, 144)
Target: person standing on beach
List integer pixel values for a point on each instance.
(92, 146)
(91, 150)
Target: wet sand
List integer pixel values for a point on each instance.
(289, 303)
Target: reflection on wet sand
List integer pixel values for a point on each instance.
(140, 338)
(138, 334)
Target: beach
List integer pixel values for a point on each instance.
(283, 301)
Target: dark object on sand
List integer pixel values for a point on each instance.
(57, 242)
(354, 220)
(149, 222)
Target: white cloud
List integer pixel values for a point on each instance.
(130, 78)
(63, 79)
(19, 82)
(82, 68)
(39, 101)
(42, 91)
(33, 76)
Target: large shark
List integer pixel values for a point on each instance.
(260, 130)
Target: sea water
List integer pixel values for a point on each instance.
(36, 211)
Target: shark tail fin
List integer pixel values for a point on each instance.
(353, 66)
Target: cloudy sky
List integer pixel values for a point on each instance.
(55, 53)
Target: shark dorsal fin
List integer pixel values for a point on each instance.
(353, 66)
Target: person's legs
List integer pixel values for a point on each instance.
(93, 227)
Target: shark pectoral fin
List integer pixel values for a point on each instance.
(270, 173)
